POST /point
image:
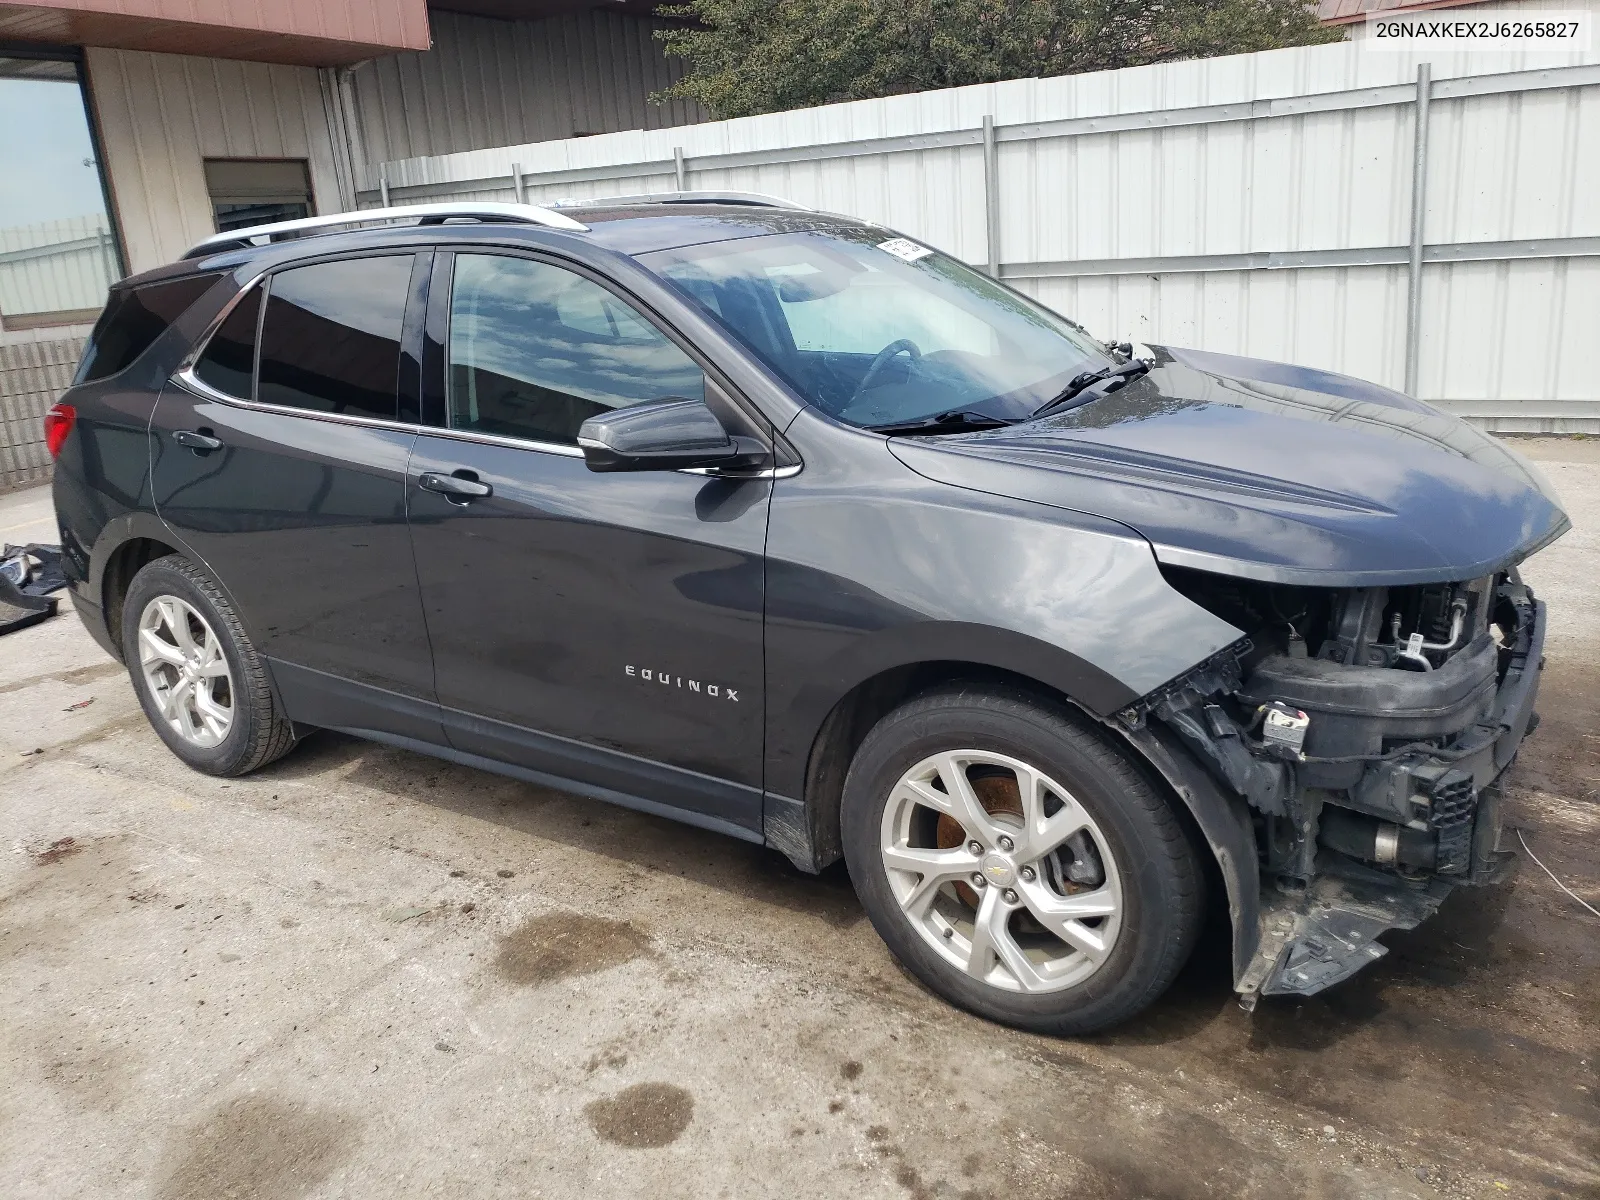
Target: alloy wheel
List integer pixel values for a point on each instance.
(1002, 871)
(186, 671)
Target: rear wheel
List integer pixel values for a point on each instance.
(1017, 862)
(199, 680)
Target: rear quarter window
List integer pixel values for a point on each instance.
(133, 319)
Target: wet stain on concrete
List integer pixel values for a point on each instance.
(642, 1117)
(77, 675)
(57, 850)
(92, 1073)
(256, 1148)
(563, 945)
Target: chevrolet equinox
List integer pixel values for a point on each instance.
(795, 529)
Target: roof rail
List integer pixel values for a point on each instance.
(755, 199)
(423, 214)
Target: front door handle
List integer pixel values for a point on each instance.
(198, 441)
(461, 487)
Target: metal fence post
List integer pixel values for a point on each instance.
(516, 183)
(678, 170)
(1419, 212)
(991, 195)
(383, 183)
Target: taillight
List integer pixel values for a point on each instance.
(58, 422)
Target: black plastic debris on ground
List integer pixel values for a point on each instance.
(28, 574)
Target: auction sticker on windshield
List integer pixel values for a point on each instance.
(905, 248)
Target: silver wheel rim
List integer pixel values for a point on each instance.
(186, 671)
(1001, 906)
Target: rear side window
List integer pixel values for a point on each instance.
(230, 355)
(330, 338)
(133, 319)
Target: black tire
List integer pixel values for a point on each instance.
(259, 734)
(1162, 881)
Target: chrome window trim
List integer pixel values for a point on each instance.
(186, 378)
(788, 472)
(197, 351)
(510, 443)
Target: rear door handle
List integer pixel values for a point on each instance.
(461, 486)
(203, 442)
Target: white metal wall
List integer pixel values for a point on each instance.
(56, 266)
(495, 83)
(1130, 213)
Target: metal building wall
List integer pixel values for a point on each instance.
(162, 115)
(494, 83)
(1176, 203)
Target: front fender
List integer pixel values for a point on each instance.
(1224, 822)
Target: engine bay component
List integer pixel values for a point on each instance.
(1386, 717)
(1283, 727)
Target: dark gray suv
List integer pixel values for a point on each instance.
(795, 529)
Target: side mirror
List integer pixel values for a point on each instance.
(667, 435)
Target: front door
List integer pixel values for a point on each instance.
(605, 628)
(280, 459)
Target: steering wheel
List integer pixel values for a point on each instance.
(879, 362)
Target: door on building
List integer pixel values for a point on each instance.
(257, 191)
(289, 483)
(592, 626)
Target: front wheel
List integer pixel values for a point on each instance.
(1017, 862)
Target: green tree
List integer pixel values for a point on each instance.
(756, 56)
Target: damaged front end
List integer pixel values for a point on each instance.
(1369, 729)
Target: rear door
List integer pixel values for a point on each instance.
(604, 628)
(280, 457)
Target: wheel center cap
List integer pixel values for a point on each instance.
(998, 870)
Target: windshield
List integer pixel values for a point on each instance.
(876, 330)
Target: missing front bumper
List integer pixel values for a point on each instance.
(1314, 938)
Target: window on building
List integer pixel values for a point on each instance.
(330, 339)
(58, 253)
(536, 350)
(257, 191)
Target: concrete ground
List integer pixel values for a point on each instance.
(362, 972)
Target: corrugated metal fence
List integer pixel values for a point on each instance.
(56, 266)
(1256, 204)
(32, 375)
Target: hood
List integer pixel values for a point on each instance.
(1269, 471)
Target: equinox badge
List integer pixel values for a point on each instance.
(694, 685)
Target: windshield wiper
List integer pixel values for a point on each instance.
(955, 421)
(1087, 380)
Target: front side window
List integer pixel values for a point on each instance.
(535, 350)
(877, 330)
(330, 338)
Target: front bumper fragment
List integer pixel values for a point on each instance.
(1315, 937)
